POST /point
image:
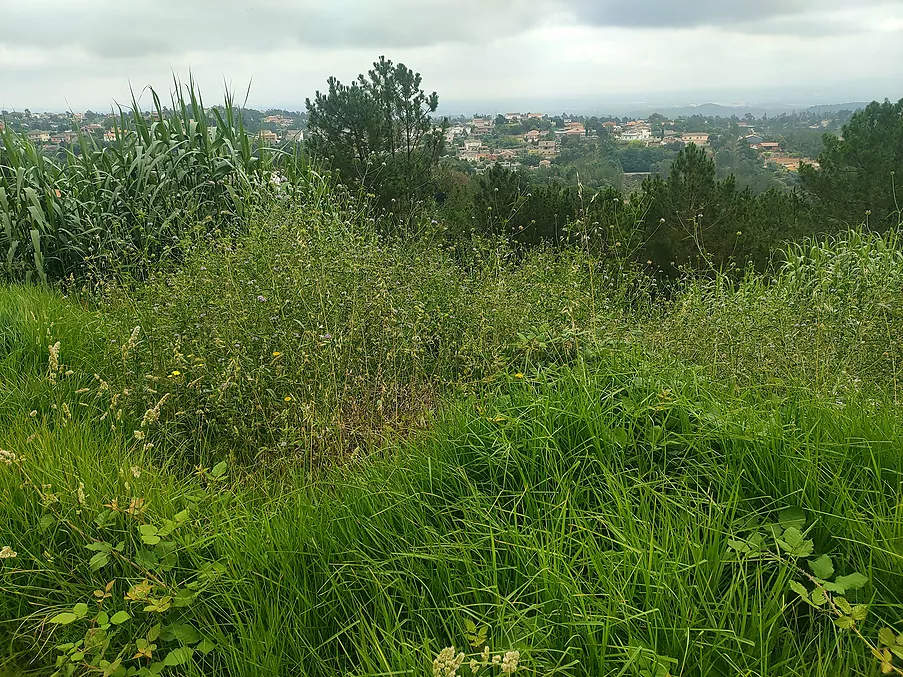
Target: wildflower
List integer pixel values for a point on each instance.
(518, 375)
(446, 663)
(276, 353)
(33, 413)
(7, 553)
(509, 662)
(139, 435)
(136, 471)
(288, 398)
(175, 372)
(80, 493)
(496, 660)
(7, 457)
(739, 233)
(262, 299)
(485, 655)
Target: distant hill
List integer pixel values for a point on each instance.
(834, 107)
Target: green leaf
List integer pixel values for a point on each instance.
(99, 561)
(219, 469)
(795, 544)
(822, 567)
(182, 633)
(80, 610)
(46, 522)
(844, 622)
(146, 559)
(149, 534)
(64, 618)
(206, 646)
(740, 546)
(183, 598)
(178, 656)
(792, 517)
(853, 581)
(860, 611)
(102, 618)
(819, 598)
(153, 633)
(800, 590)
(120, 617)
(103, 546)
(887, 637)
(844, 605)
(112, 668)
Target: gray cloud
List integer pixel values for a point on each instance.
(111, 28)
(776, 17)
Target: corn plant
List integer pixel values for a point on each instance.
(168, 177)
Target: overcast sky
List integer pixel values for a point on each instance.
(59, 54)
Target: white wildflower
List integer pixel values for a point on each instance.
(7, 553)
(510, 661)
(80, 493)
(446, 663)
(136, 471)
(485, 655)
(7, 457)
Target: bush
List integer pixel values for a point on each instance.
(314, 334)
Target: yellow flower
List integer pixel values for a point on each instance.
(288, 398)
(518, 375)
(277, 354)
(175, 372)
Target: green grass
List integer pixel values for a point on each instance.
(582, 512)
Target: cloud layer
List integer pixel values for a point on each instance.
(53, 51)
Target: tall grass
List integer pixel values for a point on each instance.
(166, 179)
(584, 517)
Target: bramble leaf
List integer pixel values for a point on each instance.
(98, 561)
(80, 610)
(795, 544)
(800, 590)
(822, 567)
(887, 637)
(792, 517)
(819, 598)
(219, 469)
(844, 622)
(853, 581)
(178, 656)
(860, 611)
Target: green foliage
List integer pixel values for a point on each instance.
(861, 174)
(165, 181)
(377, 132)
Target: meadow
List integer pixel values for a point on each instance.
(300, 446)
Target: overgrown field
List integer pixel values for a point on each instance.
(312, 450)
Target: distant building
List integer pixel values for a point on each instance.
(533, 136)
(268, 137)
(698, 138)
(38, 136)
(754, 139)
(294, 135)
(636, 134)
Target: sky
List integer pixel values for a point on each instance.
(80, 54)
